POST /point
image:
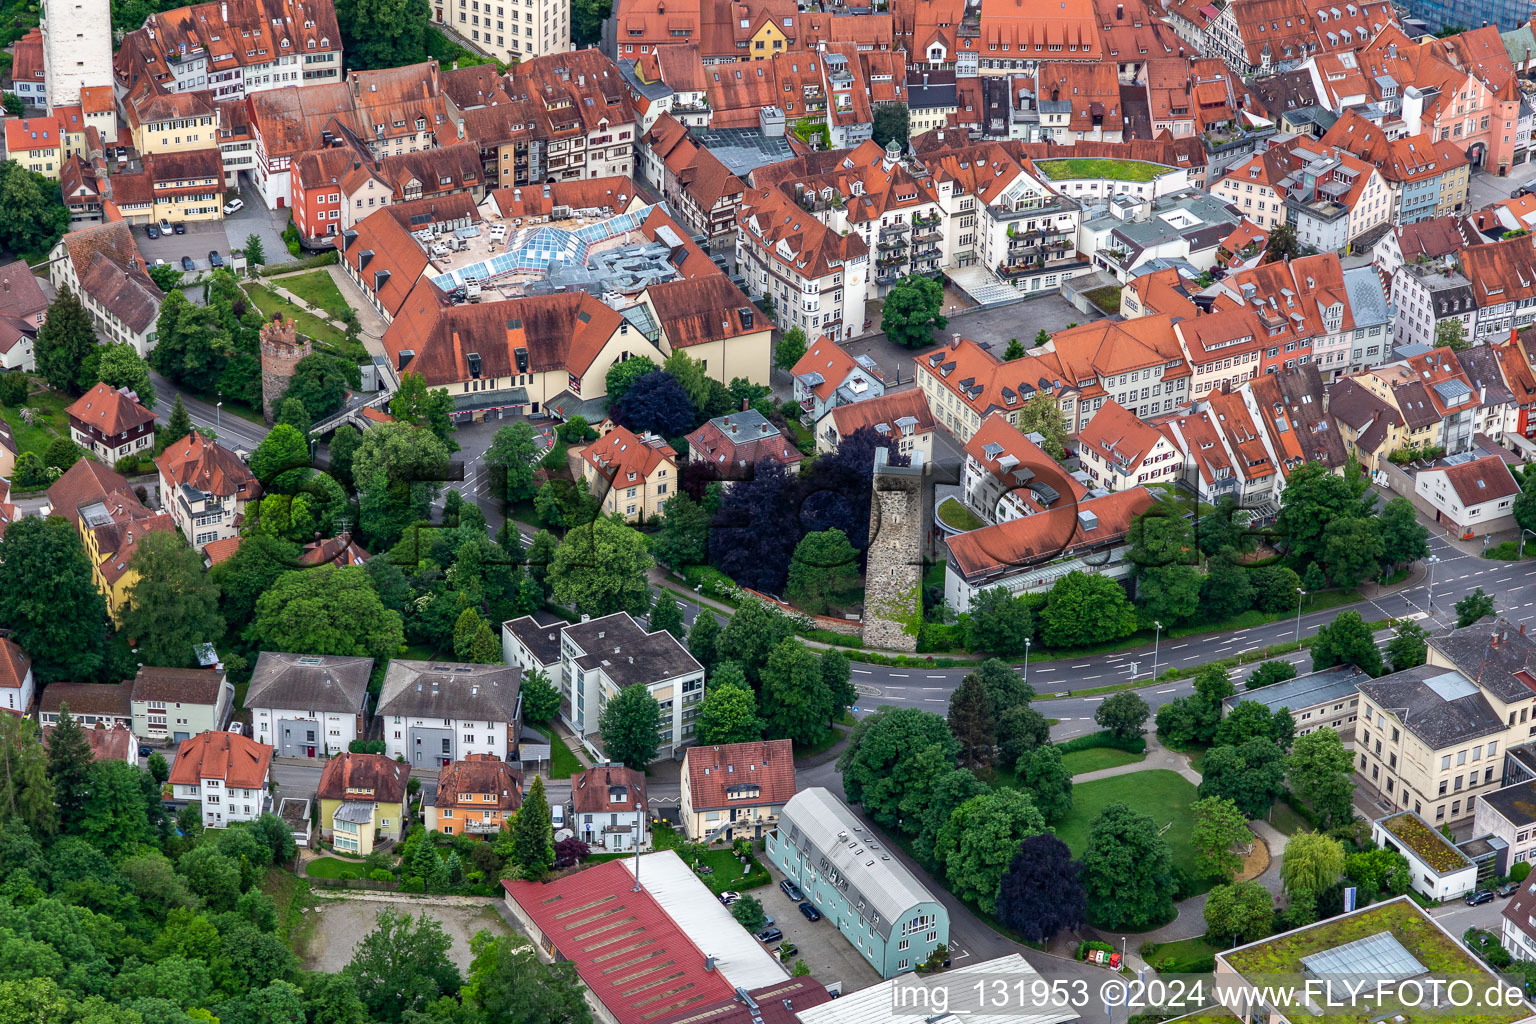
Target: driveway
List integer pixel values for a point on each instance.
(256, 219)
(830, 956)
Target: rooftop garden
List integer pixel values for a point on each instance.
(1106, 298)
(1440, 954)
(954, 514)
(1430, 846)
(1114, 170)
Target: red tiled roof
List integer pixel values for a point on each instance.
(1009, 547)
(713, 771)
(86, 481)
(728, 446)
(115, 744)
(208, 466)
(221, 550)
(595, 920)
(478, 774)
(384, 776)
(14, 665)
(109, 410)
(592, 790)
(239, 761)
(885, 411)
(28, 133)
(1480, 480)
(828, 359)
(1115, 434)
(624, 459)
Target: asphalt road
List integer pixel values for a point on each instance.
(233, 432)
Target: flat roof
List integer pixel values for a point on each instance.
(874, 1005)
(741, 959)
(1517, 803)
(1314, 688)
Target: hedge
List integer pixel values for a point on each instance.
(324, 259)
(1132, 744)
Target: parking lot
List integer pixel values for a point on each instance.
(220, 236)
(829, 956)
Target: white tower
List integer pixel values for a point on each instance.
(77, 48)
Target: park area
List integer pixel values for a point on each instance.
(1165, 795)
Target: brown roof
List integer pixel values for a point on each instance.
(115, 744)
(117, 540)
(86, 481)
(20, 294)
(130, 295)
(883, 414)
(180, 685)
(612, 194)
(28, 57)
(1008, 547)
(477, 774)
(14, 665)
(222, 549)
(606, 790)
(239, 761)
(208, 466)
(192, 166)
(110, 410)
(699, 309)
(624, 459)
(384, 776)
(741, 439)
(1481, 480)
(383, 253)
(342, 550)
(713, 771)
(88, 698)
(474, 86)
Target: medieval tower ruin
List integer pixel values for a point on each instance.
(281, 350)
(900, 512)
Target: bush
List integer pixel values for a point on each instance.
(1191, 965)
(713, 582)
(348, 874)
(940, 636)
(13, 389)
(1519, 871)
(1094, 740)
(414, 884)
(380, 875)
(1084, 948)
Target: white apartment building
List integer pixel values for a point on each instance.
(307, 705)
(509, 30)
(227, 774)
(436, 713)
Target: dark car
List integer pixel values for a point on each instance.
(810, 912)
(791, 890)
(187, 264)
(769, 935)
(1508, 889)
(146, 751)
(1479, 897)
(1523, 190)
(214, 259)
(151, 231)
(181, 228)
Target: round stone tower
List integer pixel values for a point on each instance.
(281, 350)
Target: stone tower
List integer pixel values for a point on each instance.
(900, 512)
(77, 48)
(281, 350)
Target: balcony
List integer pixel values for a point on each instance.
(887, 278)
(482, 827)
(1011, 270)
(927, 234)
(927, 252)
(892, 230)
(892, 260)
(891, 243)
(929, 220)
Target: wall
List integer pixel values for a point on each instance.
(898, 523)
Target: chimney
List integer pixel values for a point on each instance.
(954, 340)
(224, 11)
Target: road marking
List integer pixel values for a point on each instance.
(1178, 647)
(1043, 669)
(1086, 664)
(863, 671)
(934, 700)
(1090, 700)
(931, 676)
(898, 675)
(1091, 677)
(1169, 690)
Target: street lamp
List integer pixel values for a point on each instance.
(1158, 636)
(218, 415)
(639, 834)
(1300, 596)
(1429, 600)
(1026, 659)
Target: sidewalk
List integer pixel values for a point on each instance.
(1158, 756)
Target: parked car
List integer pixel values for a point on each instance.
(556, 811)
(151, 231)
(1508, 889)
(786, 951)
(181, 228)
(728, 897)
(1479, 897)
(769, 935)
(234, 206)
(187, 264)
(146, 751)
(165, 225)
(792, 890)
(214, 259)
(810, 912)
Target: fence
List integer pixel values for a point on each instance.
(352, 883)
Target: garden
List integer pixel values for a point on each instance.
(1164, 794)
(317, 288)
(722, 869)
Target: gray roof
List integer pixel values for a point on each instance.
(1516, 803)
(309, 681)
(358, 812)
(543, 641)
(933, 95)
(627, 654)
(430, 689)
(868, 874)
(1330, 685)
(742, 149)
(1499, 657)
(1437, 721)
(1367, 299)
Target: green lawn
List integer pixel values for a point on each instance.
(332, 867)
(1286, 820)
(1117, 170)
(309, 325)
(318, 289)
(829, 739)
(1098, 758)
(726, 869)
(1165, 795)
(953, 513)
(51, 424)
(1106, 298)
(1180, 951)
(562, 763)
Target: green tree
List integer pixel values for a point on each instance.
(728, 712)
(540, 698)
(1015, 350)
(1270, 672)
(384, 33)
(1219, 826)
(61, 453)
(69, 767)
(790, 349)
(1251, 718)
(326, 610)
(283, 449)
(1476, 605)
(748, 912)
(32, 213)
(1312, 862)
(1020, 729)
(891, 123)
(172, 604)
(255, 250)
(881, 764)
(1378, 872)
(1251, 775)
(1451, 334)
(1403, 538)
(115, 817)
(704, 639)
(1346, 640)
(1123, 715)
(751, 635)
(1409, 646)
(1282, 244)
(913, 311)
(514, 453)
(43, 568)
(1212, 686)
(795, 703)
(998, 623)
(178, 426)
(1243, 912)
(26, 791)
(1127, 870)
(973, 722)
(397, 469)
(683, 539)
(1227, 590)
(67, 336)
(319, 384)
(837, 680)
(689, 372)
(403, 965)
(1321, 773)
(601, 569)
(622, 376)
(1041, 415)
(533, 834)
(1084, 609)
(343, 448)
(1352, 550)
(823, 573)
(1313, 499)
(1042, 337)
(629, 723)
(1048, 781)
(291, 413)
(977, 845)
(509, 982)
(1004, 685)
(421, 406)
(120, 366)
